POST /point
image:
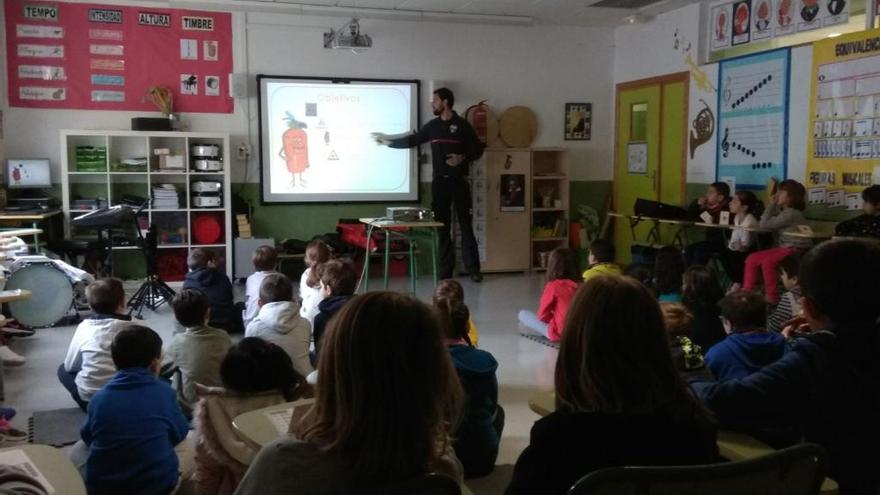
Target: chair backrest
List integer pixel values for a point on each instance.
(431, 484)
(797, 470)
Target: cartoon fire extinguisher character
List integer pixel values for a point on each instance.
(16, 175)
(295, 149)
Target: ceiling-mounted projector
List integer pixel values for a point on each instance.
(348, 37)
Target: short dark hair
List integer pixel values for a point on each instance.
(791, 265)
(190, 307)
(265, 258)
(562, 265)
(339, 276)
(135, 346)
(668, 269)
(276, 287)
(745, 310)
(700, 288)
(723, 188)
(255, 365)
(199, 258)
(446, 94)
(640, 272)
(105, 295)
(603, 250)
(840, 278)
(872, 195)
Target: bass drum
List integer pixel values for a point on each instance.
(52, 294)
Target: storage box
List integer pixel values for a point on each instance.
(171, 162)
(90, 158)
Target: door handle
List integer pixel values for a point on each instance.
(653, 176)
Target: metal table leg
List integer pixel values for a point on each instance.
(387, 254)
(413, 274)
(434, 249)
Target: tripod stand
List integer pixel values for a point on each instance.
(153, 292)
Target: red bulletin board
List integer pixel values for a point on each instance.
(105, 57)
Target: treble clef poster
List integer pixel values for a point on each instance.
(752, 130)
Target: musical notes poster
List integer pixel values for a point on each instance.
(844, 141)
(753, 118)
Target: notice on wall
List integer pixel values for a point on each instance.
(844, 142)
(752, 129)
(740, 22)
(105, 57)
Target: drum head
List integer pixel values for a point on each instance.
(52, 295)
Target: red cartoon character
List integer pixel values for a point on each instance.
(295, 149)
(741, 19)
(16, 175)
(784, 13)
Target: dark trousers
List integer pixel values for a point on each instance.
(67, 381)
(734, 263)
(449, 192)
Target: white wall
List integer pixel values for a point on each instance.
(647, 50)
(541, 67)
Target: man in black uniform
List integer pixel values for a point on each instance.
(454, 145)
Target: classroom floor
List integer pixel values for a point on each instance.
(524, 365)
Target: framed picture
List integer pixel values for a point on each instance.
(512, 192)
(578, 121)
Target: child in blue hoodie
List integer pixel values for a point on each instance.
(134, 423)
(477, 438)
(748, 346)
(204, 275)
(338, 283)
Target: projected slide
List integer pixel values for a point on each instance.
(316, 144)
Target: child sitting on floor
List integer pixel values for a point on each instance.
(279, 322)
(310, 294)
(668, 269)
(449, 289)
(700, 295)
(601, 260)
(255, 374)
(338, 282)
(563, 281)
(748, 346)
(479, 433)
(790, 302)
(88, 365)
(264, 258)
(134, 423)
(783, 216)
(203, 275)
(197, 353)
(686, 356)
(867, 225)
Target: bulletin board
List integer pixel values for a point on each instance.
(843, 149)
(105, 57)
(752, 130)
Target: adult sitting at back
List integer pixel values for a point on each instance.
(829, 380)
(619, 398)
(385, 401)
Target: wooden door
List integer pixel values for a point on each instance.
(649, 150)
(507, 225)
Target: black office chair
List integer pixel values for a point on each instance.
(431, 484)
(797, 470)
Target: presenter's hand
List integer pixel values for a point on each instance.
(454, 160)
(381, 138)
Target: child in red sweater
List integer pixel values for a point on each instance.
(563, 279)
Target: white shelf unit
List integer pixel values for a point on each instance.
(105, 181)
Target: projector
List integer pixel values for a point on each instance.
(409, 214)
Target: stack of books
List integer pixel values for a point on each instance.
(244, 227)
(165, 197)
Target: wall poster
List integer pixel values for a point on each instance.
(105, 57)
(752, 130)
(844, 142)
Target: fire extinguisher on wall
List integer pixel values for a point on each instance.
(477, 115)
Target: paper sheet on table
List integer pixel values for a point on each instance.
(21, 460)
(280, 419)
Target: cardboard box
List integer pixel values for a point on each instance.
(171, 162)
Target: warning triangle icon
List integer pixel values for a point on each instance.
(333, 155)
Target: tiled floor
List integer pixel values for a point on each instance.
(524, 365)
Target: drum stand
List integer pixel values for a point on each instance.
(153, 292)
